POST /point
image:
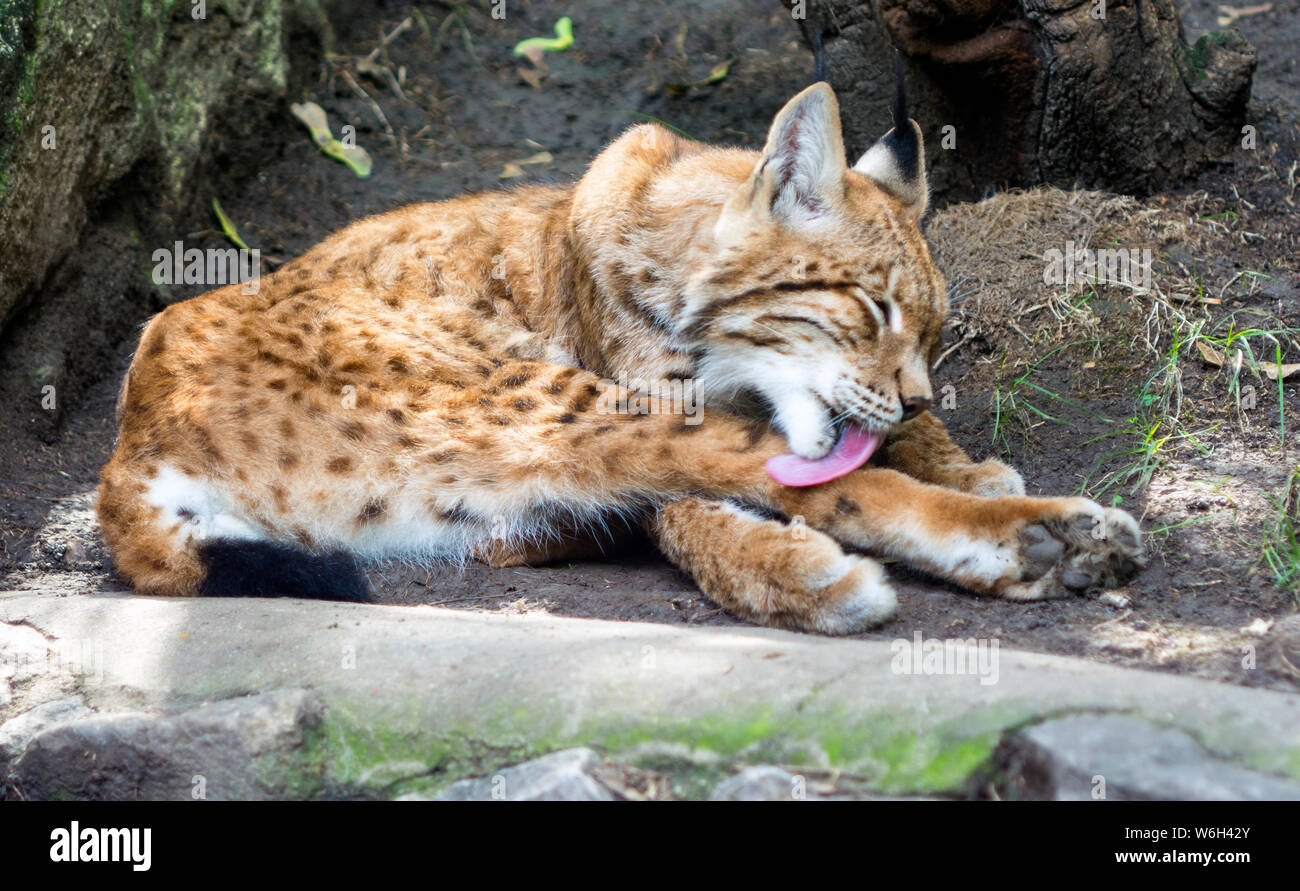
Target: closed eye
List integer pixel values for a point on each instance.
(882, 309)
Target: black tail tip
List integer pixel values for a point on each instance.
(235, 568)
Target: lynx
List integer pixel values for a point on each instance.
(434, 383)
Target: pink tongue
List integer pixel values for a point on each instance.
(852, 451)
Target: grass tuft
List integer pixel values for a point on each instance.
(1282, 541)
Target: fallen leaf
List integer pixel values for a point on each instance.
(536, 55)
(357, 158)
(533, 76)
(1274, 371)
(718, 73)
(313, 118)
(1210, 354)
(228, 227)
(1115, 599)
(563, 39)
(1229, 14)
(516, 167)
(1270, 370)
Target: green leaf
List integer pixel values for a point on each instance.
(719, 72)
(228, 227)
(562, 40)
(312, 117)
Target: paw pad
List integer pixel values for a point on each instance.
(1083, 548)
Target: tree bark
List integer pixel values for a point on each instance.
(1099, 93)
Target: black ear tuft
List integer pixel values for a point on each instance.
(896, 162)
(819, 56)
(903, 141)
(900, 91)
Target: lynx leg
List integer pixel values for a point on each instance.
(1015, 547)
(921, 448)
(771, 572)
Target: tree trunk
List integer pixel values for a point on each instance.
(1100, 93)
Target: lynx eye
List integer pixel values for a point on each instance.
(881, 308)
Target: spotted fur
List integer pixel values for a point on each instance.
(432, 383)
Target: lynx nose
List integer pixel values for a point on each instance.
(913, 406)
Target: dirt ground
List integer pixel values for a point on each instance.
(1108, 391)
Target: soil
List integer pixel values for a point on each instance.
(461, 111)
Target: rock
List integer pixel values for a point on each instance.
(23, 655)
(657, 752)
(238, 749)
(17, 732)
(560, 776)
(75, 555)
(160, 82)
(762, 784)
(112, 119)
(389, 773)
(453, 689)
(1283, 641)
(1119, 758)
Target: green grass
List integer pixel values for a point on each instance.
(1149, 442)
(1157, 427)
(1013, 399)
(1244, 350)
(1229, 217)
(1170, 527)
(1282, 540)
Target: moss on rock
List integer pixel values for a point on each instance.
(349, 756)
(138, 95)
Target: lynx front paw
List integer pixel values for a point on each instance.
(781, 574)
(1078, 546)
(993, 479)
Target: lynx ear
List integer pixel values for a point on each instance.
(802, 167)
(896, 162)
